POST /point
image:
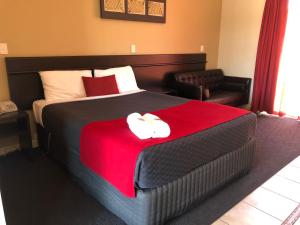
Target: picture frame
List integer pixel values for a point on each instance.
(134, 10)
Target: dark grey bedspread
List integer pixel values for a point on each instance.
(160, 164)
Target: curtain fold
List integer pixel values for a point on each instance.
(268, 55)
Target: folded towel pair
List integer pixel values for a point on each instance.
(148, 126)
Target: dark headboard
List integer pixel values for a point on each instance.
(151, 70)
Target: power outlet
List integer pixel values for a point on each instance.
(3, 49)
(202, 49)
(133, 48)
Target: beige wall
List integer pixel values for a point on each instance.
(74, 27)
(240, 27)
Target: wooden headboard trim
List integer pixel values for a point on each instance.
(21, 65)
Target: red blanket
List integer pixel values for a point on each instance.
(111, 150)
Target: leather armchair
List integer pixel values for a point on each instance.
(212, 86)
(189, 90)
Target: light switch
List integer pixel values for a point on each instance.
(202, 49)
(3, 49)
(133, 48)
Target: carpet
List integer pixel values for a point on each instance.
(37, 191)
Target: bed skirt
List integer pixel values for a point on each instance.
(156, 206)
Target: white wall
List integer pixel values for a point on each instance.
(240, 28)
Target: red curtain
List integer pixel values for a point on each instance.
(268, 55)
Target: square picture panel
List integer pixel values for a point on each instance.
(156, 8)
(114, 6)
(137, 7)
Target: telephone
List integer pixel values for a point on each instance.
(7, 106)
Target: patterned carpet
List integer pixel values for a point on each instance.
(37, 191)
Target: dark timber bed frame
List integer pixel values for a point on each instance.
(153, 206)
(151, 70)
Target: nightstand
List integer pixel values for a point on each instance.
(162, 90)
(16, 123)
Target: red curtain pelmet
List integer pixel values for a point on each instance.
(268, 55)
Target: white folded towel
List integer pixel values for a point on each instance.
(148, 126)
(160, 128)
(139, 126)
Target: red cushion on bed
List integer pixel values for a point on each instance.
(97, 86)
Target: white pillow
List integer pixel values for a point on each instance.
(124, 76)
(64, 84)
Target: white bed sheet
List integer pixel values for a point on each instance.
(38, 105)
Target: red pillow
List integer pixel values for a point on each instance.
(97, 86)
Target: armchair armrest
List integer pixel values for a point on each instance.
(240, 84)
(189, 90)
(236, 84)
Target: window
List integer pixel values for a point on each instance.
(287, 99)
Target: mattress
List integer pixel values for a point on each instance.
(157, 165)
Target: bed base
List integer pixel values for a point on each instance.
(157, 206)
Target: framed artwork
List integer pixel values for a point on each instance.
(135, 10)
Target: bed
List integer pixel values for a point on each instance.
(169, 178)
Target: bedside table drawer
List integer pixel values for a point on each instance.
(8, 129)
